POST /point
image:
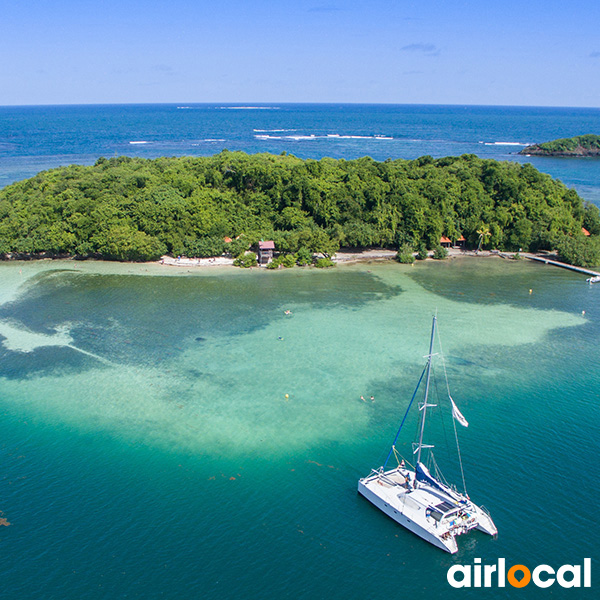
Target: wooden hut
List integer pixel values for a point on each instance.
(445, 242)
(265, 252)
(461, 242)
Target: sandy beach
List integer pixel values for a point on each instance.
(341, 257)
(218, 261)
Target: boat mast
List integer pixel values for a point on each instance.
(424, 407)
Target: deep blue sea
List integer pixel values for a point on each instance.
(173, 434)
(34, 138)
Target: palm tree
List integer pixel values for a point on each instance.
(484, 232)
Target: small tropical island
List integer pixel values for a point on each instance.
(578, 146)
(134, 209)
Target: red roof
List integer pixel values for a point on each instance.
(461, 239)
(585, 231)
(266, 245)
(445, 240)
(227, 240)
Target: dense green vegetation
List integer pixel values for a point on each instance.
(137, 209)
(579, 250)
(581, 145)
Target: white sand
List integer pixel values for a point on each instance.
(218, 261)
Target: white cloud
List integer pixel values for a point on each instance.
(428, 49)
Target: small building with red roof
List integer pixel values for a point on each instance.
(445, 242)
(265, 252)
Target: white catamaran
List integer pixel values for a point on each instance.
(419, 500)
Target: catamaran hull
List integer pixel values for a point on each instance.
(485, 523)
(448, 545)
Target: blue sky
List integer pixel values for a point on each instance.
(526, 52)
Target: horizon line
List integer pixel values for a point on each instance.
(290, 103)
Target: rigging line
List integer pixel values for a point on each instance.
(441, 413)
(443, 361)
(462, 472)
(425, 405)
(438, 472)
(405, 415)
(400, 458)
(416, 432)
(406, 461)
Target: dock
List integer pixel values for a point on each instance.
(563, 265)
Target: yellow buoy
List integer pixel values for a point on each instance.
(530, 291)
(287, 396)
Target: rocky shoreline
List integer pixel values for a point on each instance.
(578, 152)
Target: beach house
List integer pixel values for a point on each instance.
(265, 252)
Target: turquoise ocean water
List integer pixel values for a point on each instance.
(148, 449)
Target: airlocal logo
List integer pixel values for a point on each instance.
(478, 575)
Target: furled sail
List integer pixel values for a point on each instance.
(422, 474)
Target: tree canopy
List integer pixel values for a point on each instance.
(137, 209)
(580, 145)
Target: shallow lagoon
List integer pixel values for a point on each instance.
(149, 449)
